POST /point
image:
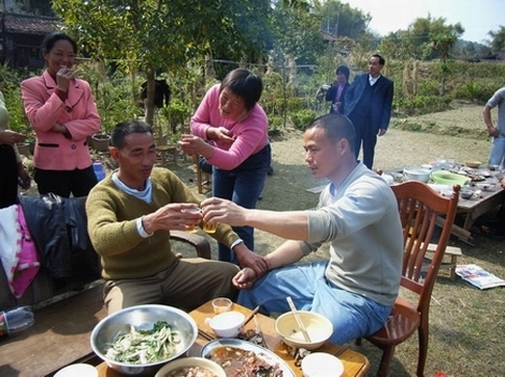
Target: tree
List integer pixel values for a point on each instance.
(339, 19)
(423, 33)
(150, 35)
(498, 41)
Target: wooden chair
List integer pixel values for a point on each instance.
(203, 179)
(419, 207)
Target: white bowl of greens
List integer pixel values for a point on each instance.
(139, 340)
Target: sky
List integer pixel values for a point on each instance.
(477, 17)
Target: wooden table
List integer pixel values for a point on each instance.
(355, 364)
(474, 207)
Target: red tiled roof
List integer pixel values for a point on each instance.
(16, 23)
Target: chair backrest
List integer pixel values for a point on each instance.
(419, 207)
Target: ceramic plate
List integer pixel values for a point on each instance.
(265, 354)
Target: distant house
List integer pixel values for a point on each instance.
(21, 37)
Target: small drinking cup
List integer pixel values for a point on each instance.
(192, 228)
(221, 305)
(209, 228)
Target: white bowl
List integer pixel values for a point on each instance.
(319, 364)
(189, 362)
(417, 174)
(484, 186)
(81, 370)
(318, 327)
(228, 324)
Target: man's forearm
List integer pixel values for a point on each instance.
(292, 225)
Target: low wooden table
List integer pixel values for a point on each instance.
(355, 364)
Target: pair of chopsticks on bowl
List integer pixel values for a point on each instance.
(298, 319)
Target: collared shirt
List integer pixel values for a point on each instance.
(146, 195)
(373, 80)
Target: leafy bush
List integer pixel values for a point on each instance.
(302, 118)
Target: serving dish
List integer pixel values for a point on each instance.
(142, 317)
(444, 177)
(213, 346)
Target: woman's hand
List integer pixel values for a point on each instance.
(219, 133)
(191, 144)
(11, 137)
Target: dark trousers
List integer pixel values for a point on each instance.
(8, 176)
(65, 182)
(242, 185)
(366, 136)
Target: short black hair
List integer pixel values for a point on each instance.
(244, 84)
(381, 59)
(336, 127)
(343, 69)
(53, 37)
(121, 130)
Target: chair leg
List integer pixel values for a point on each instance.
(423, 334)
(387, 355)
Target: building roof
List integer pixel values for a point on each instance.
(24, 24)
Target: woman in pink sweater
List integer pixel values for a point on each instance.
(230, 130)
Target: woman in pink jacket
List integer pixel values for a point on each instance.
(63, 113)
(230, 130)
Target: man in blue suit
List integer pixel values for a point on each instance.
(369, 101)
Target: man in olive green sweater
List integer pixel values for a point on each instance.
(130, 215)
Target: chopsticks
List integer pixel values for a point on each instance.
(260, 333)
(204, 334)
(251, 315)
(298, 319)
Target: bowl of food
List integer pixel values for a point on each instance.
(191, 366)
(466, 193)
(227, 324)
(417, 174)
(318, 327)
(474, 164)
(124, 340)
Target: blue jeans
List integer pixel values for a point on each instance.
(352, 315)
(242, 185)
(497, 151)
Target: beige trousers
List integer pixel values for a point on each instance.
(186, 284)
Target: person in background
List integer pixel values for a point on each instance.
(368, 104)
(357, 214)
(230, 130)
(130, 215)
(63, 113)
(497, 132)
(12, 170)
(336, 93)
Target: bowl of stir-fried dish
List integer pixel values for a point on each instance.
(139, 340)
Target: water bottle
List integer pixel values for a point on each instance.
(99, 170)
(15, 320)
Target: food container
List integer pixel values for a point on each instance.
(142, 317)
(444, 177)
(473, 164)
(227, 325)
(318, 327)
(191, 362)
(318, 364)
(417, 174)
(466, 193)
